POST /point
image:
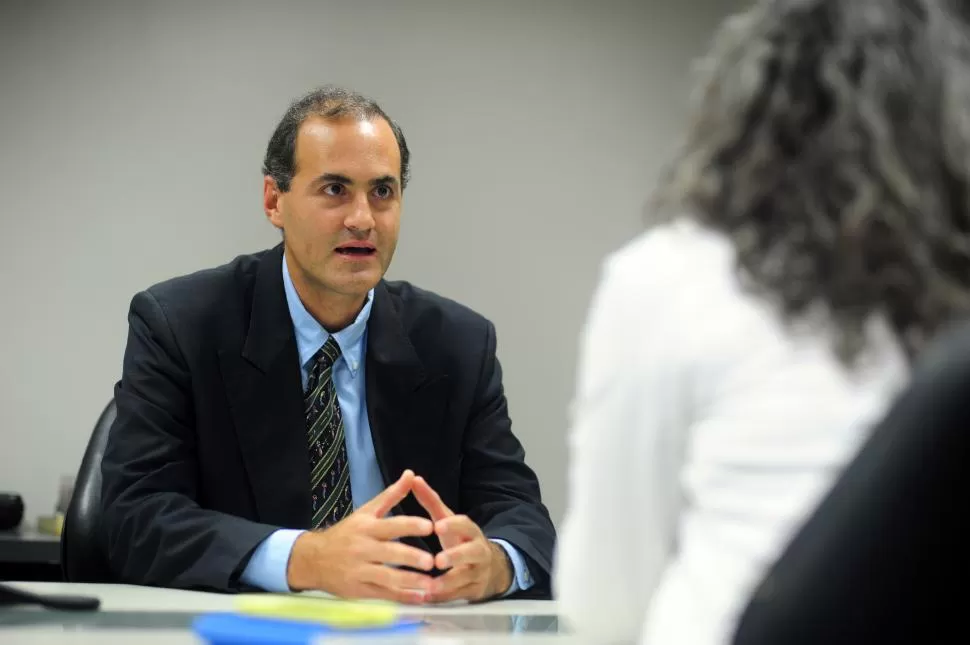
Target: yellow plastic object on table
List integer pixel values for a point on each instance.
(340, 614)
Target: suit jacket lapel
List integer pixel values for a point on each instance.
(266, 397)
(405, 402)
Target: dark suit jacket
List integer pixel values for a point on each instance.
(208, 454)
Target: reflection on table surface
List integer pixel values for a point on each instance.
(169, 620)
(48, 635)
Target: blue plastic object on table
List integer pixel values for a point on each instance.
(237, 629)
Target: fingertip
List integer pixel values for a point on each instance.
(442, 561)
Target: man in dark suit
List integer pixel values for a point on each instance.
(292, 421)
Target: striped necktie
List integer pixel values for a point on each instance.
(329, 466)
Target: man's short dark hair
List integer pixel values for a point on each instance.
(329, 102)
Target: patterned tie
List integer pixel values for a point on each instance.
(329, 466)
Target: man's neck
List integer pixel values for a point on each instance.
(333, 313)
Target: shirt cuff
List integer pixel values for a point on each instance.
(521, 576)
(267, 567)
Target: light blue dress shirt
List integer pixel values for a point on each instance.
(267, 567)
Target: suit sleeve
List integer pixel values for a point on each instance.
(499, 492)
(154, 529)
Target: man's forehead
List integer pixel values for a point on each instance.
(327, 130)
(347, 138)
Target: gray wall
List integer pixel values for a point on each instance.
(131, 135)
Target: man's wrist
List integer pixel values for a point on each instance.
(502, 570)
(299, 576)
(266, 567)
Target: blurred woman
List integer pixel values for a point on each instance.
(814, 236)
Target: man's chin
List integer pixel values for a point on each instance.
(357, 286)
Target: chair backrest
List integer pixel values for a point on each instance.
(82, 555)
(884, 558)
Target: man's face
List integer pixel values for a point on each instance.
(342, 213)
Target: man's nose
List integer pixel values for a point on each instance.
(361, 217)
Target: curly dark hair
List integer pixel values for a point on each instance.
(830, 142)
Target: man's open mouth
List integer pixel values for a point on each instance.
(356, 251)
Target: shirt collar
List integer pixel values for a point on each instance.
(311, 336)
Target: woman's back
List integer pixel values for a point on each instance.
(708, 429)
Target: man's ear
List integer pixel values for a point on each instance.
(273, 202)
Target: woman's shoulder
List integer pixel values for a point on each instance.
(683, 277)
(668, 258)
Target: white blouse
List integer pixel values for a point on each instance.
(704, 430)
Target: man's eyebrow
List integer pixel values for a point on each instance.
(382, 181)
(334, 178)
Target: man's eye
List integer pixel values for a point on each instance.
(334, 190)
(384, 192)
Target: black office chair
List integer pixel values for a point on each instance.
(82, 556)
(885, 556)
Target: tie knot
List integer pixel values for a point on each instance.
(321, 365)
(328, 354)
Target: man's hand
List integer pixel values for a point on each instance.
(477, 568)
(355, 558)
